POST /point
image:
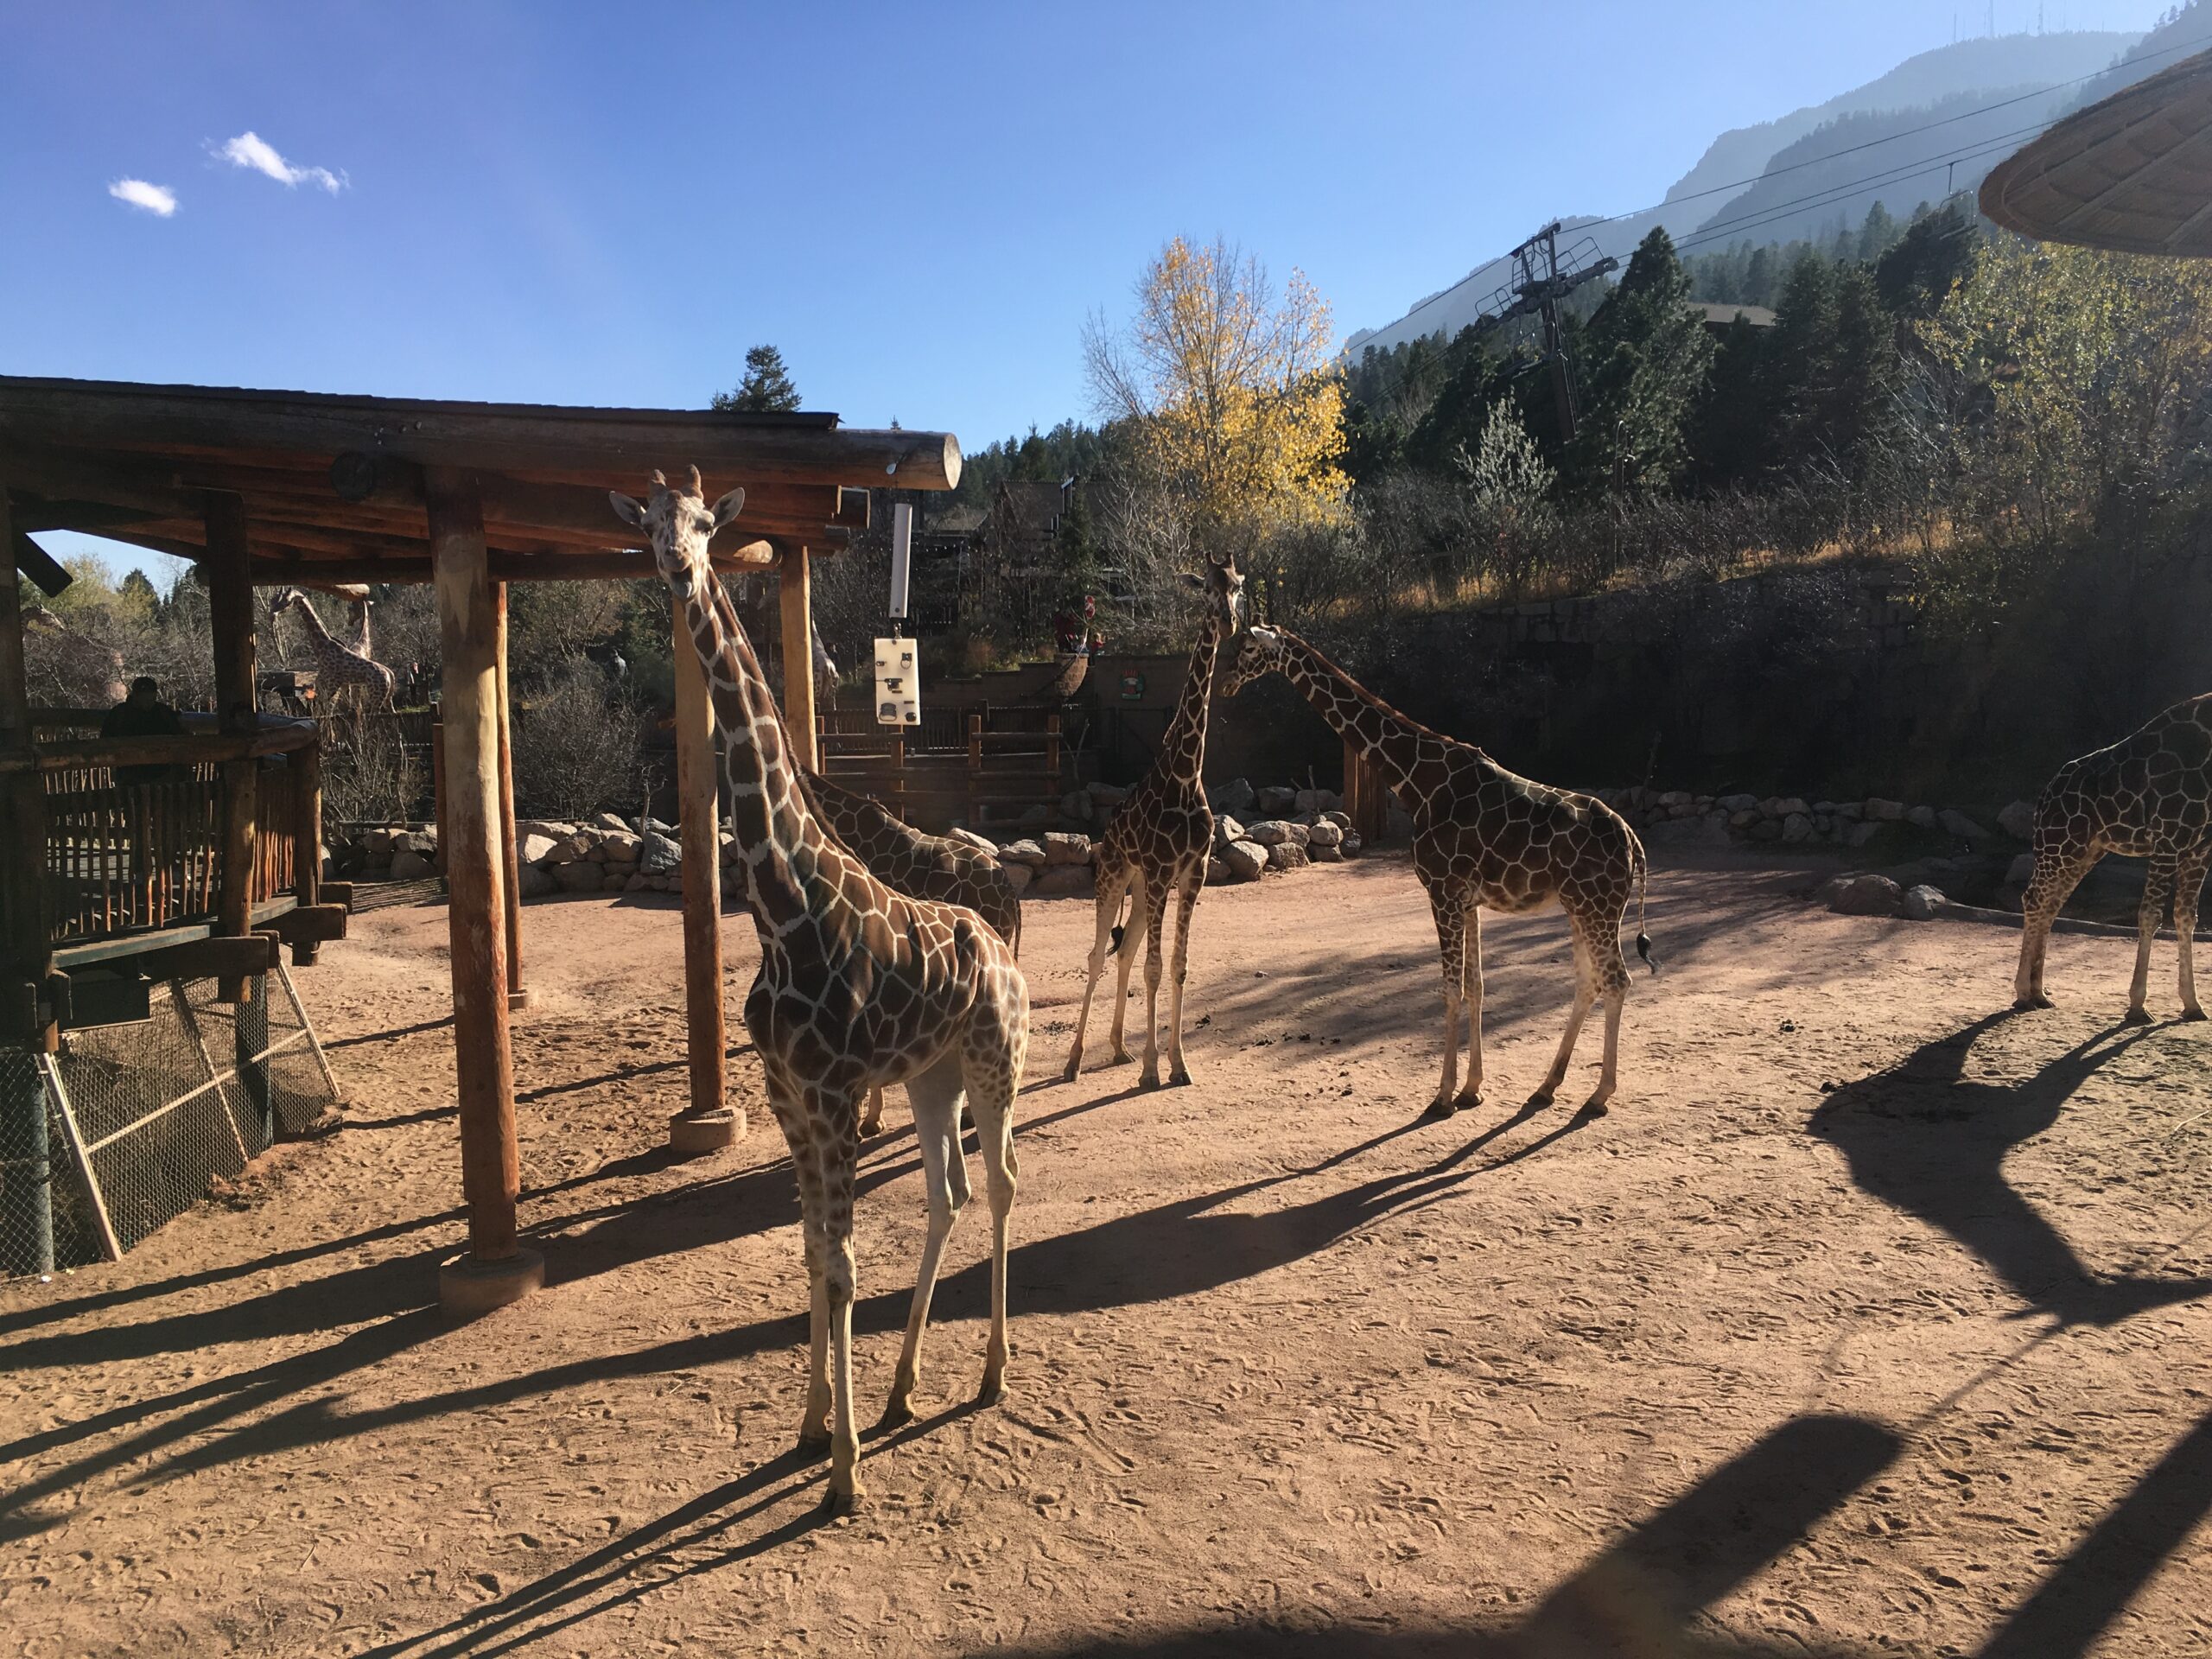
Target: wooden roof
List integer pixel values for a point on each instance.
(2132, 174)
(332, 486)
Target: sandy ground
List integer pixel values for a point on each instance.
(1867, 1321)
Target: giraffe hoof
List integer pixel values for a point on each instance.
(994, 1388)
(1148, 1080)
(813, 1444)
(2136, 1017)
(1073, 1069)
(874, 1126)
(1120, 1057)
(2192, 1014)
(1439, 1111)
(1540, 1099)
(837, 1505)
(898, 1414)
(1180, 1076)
(1468, 1100)
(1594, 1107)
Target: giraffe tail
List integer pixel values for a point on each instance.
(1642, 889)
(1129, 905)
(1015, 943)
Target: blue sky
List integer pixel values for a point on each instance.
(919, 204)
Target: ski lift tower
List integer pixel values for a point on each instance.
(1542, 276)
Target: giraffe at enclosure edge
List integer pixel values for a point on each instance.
(859, 987)
(919, 865)
(341, 674)
(1158, 841)
(1484, 836)
(2147, 796)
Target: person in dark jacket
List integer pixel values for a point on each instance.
(143, 713)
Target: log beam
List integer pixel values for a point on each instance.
(510, 861)
(795, 602)
(27, 947)
(708, 1122)
(229, 614)
(495, 1270)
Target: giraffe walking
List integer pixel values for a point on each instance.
(859, 987)
(342, 675)
(1483, 836)
(921, 867)
(1157, 844)
(2148, 796)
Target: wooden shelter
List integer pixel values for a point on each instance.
(2131, 174)
(313, 490)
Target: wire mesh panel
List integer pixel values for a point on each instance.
(153, 1110)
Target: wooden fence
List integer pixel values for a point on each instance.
(980, 768)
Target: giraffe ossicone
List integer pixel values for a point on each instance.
(1483, 838)
(859, 988)
(2147, 796)
(1157, 844)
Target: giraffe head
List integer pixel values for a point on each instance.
(1223, 586)
(283, 600)
(679, 524)
(1261, 652)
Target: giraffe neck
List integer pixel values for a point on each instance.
(316, 632)
(867, 828)
(1183, 750)
(782, 844)
(361, 627)
(1390, 741)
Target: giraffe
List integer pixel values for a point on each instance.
(921, 867)
(78, 660)
(2148, 796)
(1157, 843)
(1484, 836)
(825, 669)
(341, 674)
(859, 987)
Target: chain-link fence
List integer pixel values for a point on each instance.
(137, 1118)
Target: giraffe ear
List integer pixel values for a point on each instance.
(630, 512)
(728, 508)
(1196, 581)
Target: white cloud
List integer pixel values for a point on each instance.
(250, 149)
(156, 199)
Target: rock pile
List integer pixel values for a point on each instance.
(1679, 819)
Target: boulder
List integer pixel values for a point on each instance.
(1106, 794)
(1863, 895)
(550, 828)
(655, 826)
(2019, 821)
(969, 838)
(1791, 806)
(1075, 804)
(377, 843)
(534, 881)
(1339, 817)
(1882, 812)
(1315, 800)
(1956, 823)
(1920, 903)
(1269, 832)
(1244, 859)
(608, 821)
(567, 850)
(1324, 834)
(1737, 803)
(636, 883)
(1330, 854)
(583, 876)
(532, 846)
(1288, 856)
(1350, 845)
(1688, 832)
(407, 865)
(1020, 875)
(1226, 829)
(1851, 809)
(1061, 849)
(1742, 820)
(1676, 798)
(1796, 826)
(424, 842)
(1767, 829)
(1062, 880)
(1921, 817)
(659, 854)
(1037, 816)
(2022, 871)
(1861, 834)
(1025, 854)
(1236, 796)
(1276, 802)
(1397, 823)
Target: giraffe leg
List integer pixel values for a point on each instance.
(2189, 887)
(1585, 993)
(935, 1096)
(2155, 888)
(1612, 983)
(994, 1076)
(1155, 929)
(1111, 885)
(1470, 998)
(836, 1120)
(873, 1123)
(1124, 960)
(2059, 869)
(1186, 901)
(1452, 950)
(814, 1422)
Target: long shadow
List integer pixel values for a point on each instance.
(1640, 1599)
(1924, 1138)
(2072, 1607)
(415, 1030)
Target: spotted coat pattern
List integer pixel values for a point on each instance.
(1157, 843)
(919, 865)
(1483, 838)
(343, 677)
(2148, 796)
(860, 987)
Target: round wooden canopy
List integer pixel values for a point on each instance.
(2132, 174)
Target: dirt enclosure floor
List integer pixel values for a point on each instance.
(1868, 1321)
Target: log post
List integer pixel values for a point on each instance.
(26, 1227)
(511, 864)
(795, 599)
(495, 1270)
(307, 839)
(708, 1122)
(230, 615)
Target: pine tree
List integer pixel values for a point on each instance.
(766, 387)
(1649, 353)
